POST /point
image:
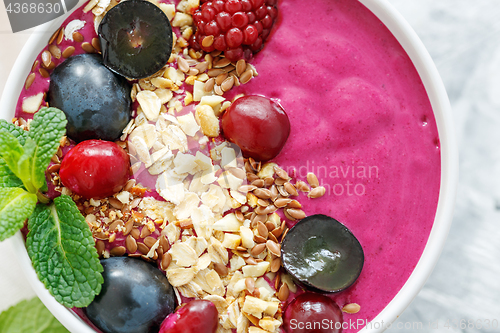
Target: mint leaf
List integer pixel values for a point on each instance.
(29, 316)
(62, 250)
(7, 177)
(11, 151)
(16, 205)
(17, 131)
(46, 130)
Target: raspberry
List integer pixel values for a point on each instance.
(239, 27)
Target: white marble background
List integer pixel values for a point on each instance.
(463, 38)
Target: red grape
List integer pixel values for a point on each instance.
(258, 125)
(197, 316)
(313, 313)
(95, 169)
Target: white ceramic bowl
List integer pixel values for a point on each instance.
(449, 163)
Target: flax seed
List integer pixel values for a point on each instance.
(282, 202)
(115, 203)
(131, 244)
(280, 181)
(283, 293)
(262, 229)
(220, 78)
(294, 204)
(302, 186)
(247, 188)
(100, 247)
(68, 51)
(246, 76)
(33, 67)
(113, 226)
(221, 63)
(241, 66)
(227, 84)
(273, 247)
(312, 180)
(145, 232)
(274, 192)
(96, 44)
(221, 269)
(282, 191)
(268, 181)
(77, 37)
(135, 233)
(251, 177)
(143, 248)
(262, 193)
(317, 192)
(54, 36)
(250, 284)
(250, 261)
(275, 265)
(218, 90)
(277, 282)
(202, 67)
(55, 51)
(164, 243)
(296, 213)
(351, 308)
(290, 189)
(182, 64)
(214, 72)
(118, 251)
(131, 183)
(60, 36)
(43, 72)
(207, 41)
(259, 183)
(238, 173)
(259, 239)
(128, 227)
(258, 249)
(209, 85)
(165, 261)
(149, 241)
(281, 173)
(87, 47)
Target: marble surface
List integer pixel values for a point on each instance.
(463, 38)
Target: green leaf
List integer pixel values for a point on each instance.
(17, 131)
(29, 316)
(7, 177)
(16, 205)
(11, 151)
(62, 250)
(46, 130)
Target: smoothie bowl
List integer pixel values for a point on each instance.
(242, 166)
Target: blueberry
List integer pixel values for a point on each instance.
(322, 253)
(95, 100)
(136, 39)
(135, 298)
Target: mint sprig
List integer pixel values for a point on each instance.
(29, 316)
(62, 251)
(59, 241)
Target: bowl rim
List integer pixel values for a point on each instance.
(437, 95)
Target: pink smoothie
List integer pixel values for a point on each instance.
(361, 121)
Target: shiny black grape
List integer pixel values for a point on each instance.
(95, 100)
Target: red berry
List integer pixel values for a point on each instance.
(313, 313)
(239, 20)
(211, 28)
(224, 20)
(208, 14)
(197, 316)
(258, 125)
(219, 5)
(250, 35)
(220, 43)
(234, 38)
(234, 55)
(233, 6)
(95, 169)
(252, 19)
(246, 5)
(257, 3)
(261, 12)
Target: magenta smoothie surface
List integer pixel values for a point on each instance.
(360, 120)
